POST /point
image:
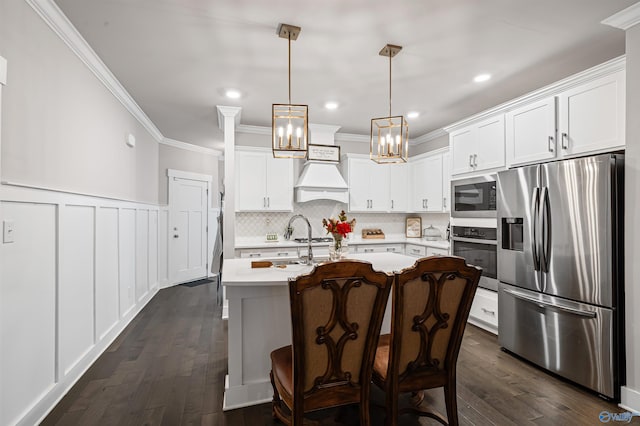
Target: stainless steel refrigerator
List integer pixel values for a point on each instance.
(560, 267)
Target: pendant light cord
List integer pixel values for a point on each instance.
(289, 68)
(389, 83)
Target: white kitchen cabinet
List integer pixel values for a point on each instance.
(368, 186)
(484, 310)
(426, 179)
(435, 251)
(592, 116)
(270, 253)
(531, 132)
(263, 183)
(415, 250)
(380, 248)
(446, 182)
(398, 187)
(478, 147)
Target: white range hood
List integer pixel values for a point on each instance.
(321, 180)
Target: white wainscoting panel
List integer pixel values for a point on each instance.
(153, 249)
(163, 248)
(142, 253)
(107, 309)
(76, 286)
(28, 280)
(80, 269)
(127, 258)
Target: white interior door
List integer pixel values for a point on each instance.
(188, 231)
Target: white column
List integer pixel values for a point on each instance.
(629, 20)
(227, 115)
(3, 82)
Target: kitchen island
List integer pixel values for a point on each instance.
(260, 321)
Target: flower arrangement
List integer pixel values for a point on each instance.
(339, 228)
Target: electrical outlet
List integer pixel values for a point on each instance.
(8, 232)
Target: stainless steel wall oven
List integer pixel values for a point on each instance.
(480, 248)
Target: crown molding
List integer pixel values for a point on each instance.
(428, 137)
(593, 73)
(352, 137)
(228, 111)
(190, 147)
(63, 28)
(624, 19)
(3, 71)
(254, 130)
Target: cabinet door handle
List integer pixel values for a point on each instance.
(426, 203)
(551, 144)
(268, 202)
(565, 138)
(444, 203)
(488, 312)
(475, 160)
(391, 204)
(264, 202)
(471, 160)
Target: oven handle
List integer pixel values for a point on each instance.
(475, 240)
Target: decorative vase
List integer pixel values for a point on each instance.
(339, 247)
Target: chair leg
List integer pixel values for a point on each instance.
(275, 404)
(364, 411)
(450, 399)
(392, 408)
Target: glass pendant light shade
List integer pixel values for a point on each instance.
(289, 122)
(389, 135)
(289, 130)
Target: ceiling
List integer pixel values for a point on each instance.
(177, 57)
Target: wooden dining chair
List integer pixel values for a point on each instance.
(431, 303)
(336, 315)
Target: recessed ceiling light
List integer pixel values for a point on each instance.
(331, 105)
(481, 78)
(233, 94)
(413, 114)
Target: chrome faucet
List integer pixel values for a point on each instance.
(289, 231)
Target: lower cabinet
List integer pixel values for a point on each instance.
(434, 251)
(484, 310)
(380, 248)
(270, 253)
(415, 250)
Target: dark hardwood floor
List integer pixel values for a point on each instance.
(168, 368)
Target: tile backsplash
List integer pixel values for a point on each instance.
(258, 224)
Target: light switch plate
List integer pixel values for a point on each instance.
(8, 231)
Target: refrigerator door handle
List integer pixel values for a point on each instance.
(543, 304)
(535, 201)
(545, 214)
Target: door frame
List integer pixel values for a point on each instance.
(208, 179)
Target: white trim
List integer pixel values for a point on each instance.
(248, 128)
(593, 73)
(624, 19)
(630, 399)
(431, 153)
(3, 71)
(190, 147)
(189, 175)
(435, 134)
(61, 25)
(252, 148)
(5, 188)
(235, 112)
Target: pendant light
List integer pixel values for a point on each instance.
(289, 122)
(389, 135)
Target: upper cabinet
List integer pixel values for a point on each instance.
(587, 118)
(478, 146)
(368, 185)
(398, 187)
(531, 132)
(263, 183)
(426, 178)
(446, 182)
(591, 117)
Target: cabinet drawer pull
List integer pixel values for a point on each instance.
(283, 253)
(254, 254)
(391, 249)
(416, 251)
(368, 250)
(488, 312)
(551, 144)
(565, 141)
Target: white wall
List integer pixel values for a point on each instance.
(437, 143)
(62, 128)
(631, 392)
(79, 270)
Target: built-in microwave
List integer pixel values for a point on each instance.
(474, 197)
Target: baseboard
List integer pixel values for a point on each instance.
(630, 399)
(37, 413)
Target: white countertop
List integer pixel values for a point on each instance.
(255, 243)
(238, 272)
